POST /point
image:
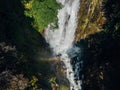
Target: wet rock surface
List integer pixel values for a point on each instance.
(59, 69)
(90, 18)
(100, 43)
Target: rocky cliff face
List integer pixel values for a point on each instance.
(91, 18)
(98, 35)
(90, 21)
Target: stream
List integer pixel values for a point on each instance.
(61, 40)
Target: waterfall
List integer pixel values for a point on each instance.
(61, 39)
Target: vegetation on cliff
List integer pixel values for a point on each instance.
(22, 46)
(101, 50)
(43, 12)
(91, 18)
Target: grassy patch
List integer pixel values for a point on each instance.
(42, 11)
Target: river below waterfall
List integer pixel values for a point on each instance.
(61, 40)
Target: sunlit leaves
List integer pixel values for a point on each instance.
(42, 11)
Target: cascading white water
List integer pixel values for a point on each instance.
(61, 39)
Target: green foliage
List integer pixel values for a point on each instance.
(19, 42)
(112, 13)
(33, 83)
(63, 87)
(10, 64)
(43, 12)
(101, 52)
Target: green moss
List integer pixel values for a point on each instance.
(42, 11)
(63, 87)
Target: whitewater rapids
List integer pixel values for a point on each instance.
(61, 39)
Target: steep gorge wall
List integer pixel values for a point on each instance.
(98, 35)
(90, 18)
